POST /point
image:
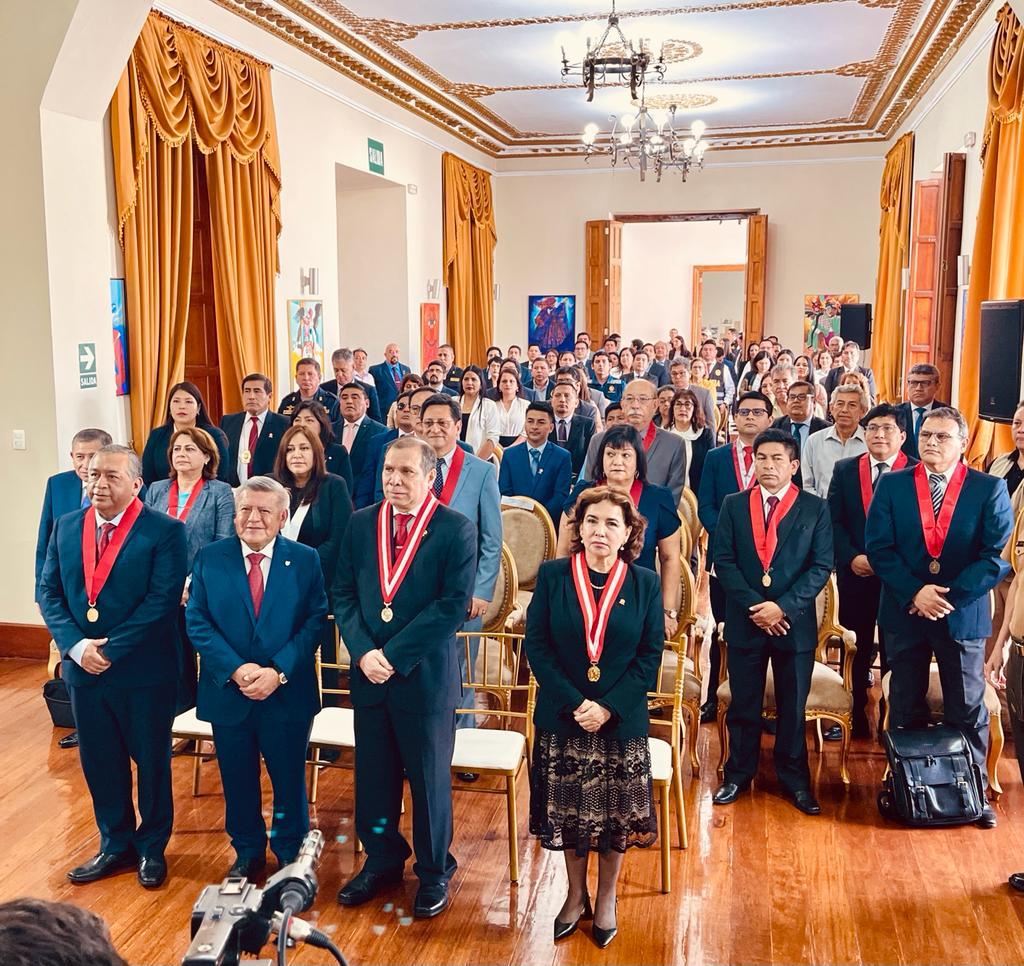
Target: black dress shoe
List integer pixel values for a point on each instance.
(431, 900)
(769, 726)
(563, 929)
(728, 792)
(604, 936)
(69, 741)
(1017, 881)
(367, 884)
(102, 865)
(247, 867)
(466, 776)
(988, 818)
(708, 711)
(835, 733)
(806, 802)
(152, 871)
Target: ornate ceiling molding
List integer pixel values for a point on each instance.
(370, 52)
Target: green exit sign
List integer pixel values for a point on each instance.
(375, 155)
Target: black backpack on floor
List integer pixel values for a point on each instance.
(932, 780)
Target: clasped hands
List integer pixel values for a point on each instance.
(376, 666)
(590, 716)
(93, 659)
(769, 617)
(929, 602)
(256, 682)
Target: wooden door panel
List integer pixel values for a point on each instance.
(603, 273)
(757, 261)
(951, 225)
(918, 341)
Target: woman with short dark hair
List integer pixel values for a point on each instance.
(698, 438)
(185, 408)
(312, 414)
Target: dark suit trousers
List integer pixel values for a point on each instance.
(117, 726)
(388, 741)
(961, 674)
(188, 668)
(858, 611)
(1015, 701)
(283, 747)
(717, 594)
(748, 671)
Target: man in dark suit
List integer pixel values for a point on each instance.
(307, 377)
(433, 376)
(727, 469)
(849, 496)
(343, 363)
(851, 363)
(935, 536)
(255, 613)
(799, 421)
(405, 678)
(357, 429)
(773, 555)
(406, 419)
(254, 434)
(388, 376)
(537, 468)
(109, 594)
(573, 432)
(922, 385)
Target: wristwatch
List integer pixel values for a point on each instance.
(674, 614)
(282, 678)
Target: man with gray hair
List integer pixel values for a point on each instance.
(109, 594)
(843, 439)
(343, 363)
(255, 612)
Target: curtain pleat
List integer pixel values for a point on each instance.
(997, 264)
(469, 237)
(893, 256)
(178, 87)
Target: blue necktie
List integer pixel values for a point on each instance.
(534, 461)
(918, 421)
(85, 500)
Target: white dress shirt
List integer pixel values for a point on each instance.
(290, 530)
(946, 477)
(446, 464)
(268, 553)
(820, 454)
(483, 423)
(765, 493)
(76, 651)
(745, 475)
(243, 442)
(512, 420)
(345, 424)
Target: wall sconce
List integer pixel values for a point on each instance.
(309, 281)
(497, 291)
(433, 289)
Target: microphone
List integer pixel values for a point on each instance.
(294, 887)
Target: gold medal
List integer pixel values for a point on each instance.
(934, 567)
(246, 456)
(593, 673)
(766, 580)
(92, 615)
(387, 614)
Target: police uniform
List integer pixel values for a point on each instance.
(453, 380)
(329, 401)
(611, 389)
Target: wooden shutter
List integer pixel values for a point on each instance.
(924, 261)
(951, 226)
(603, 271)
(757, 260)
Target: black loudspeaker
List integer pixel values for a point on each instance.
(999, 362)
(855, 323)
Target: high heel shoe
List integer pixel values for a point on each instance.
(563, 929)
(604, 936)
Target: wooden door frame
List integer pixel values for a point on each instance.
(698, 291)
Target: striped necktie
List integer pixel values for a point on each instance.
(937, 484)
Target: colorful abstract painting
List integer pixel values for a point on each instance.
(821, 318)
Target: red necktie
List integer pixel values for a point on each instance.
(254, 435)
(773, 502)
(105, 532)
(401, 530)
(255, 581)
(748, 458)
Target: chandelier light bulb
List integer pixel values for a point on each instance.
(698, 128)
(591, 129)
(688, 145)
(627, 120)
(625, 137)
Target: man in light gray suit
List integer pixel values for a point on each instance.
(666, 454)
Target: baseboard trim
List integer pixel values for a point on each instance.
(24, 640)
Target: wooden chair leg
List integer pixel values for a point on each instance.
(846, 724)
(196, 762)
(513, 829)
(314, 776)
(677, 788)
(995, 750)
(723, 738)
(666, 855)
(692, 726)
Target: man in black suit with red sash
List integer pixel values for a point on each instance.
(109, 595)
(773, 555)
(398, 617)
(849, 496)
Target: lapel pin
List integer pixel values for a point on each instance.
(622, 601)
(287, 563)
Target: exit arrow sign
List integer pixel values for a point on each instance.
(86, 365)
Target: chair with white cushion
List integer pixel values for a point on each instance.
(188, 727)
(333, 727)
(530, 536)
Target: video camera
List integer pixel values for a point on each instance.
(236, 916)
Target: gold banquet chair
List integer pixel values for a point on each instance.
(187, 727)
(502, 751)
(831, 695)
(691, 522)
(333, 727)
(530, 536)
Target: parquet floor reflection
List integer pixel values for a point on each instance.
(760, 883)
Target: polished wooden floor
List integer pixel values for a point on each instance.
(760, 883)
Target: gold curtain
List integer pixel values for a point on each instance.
(178, 86)
(893, 255)
(469, 240)
(997, 265)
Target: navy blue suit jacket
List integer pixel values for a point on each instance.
(63, 495)
(359, 454)
(373, 411)
(971, 562)
(269, 439)
(226, 633)
(430, 606)
(387, 391)
(717, 481)
(138, 604)
(377, 480)
(551, 484)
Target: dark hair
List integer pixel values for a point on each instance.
(442, 399)
(571, 371)
(514, 346)
(318, 411)
(778, 436)
(762, 355)
(406, 394)
(635, 523)
(205, 442)
(435, 363)
(622, 437)
(759, 396)
(697, 420)
(409, 377)
(925, 369)
(884, 411)
(268, 387)
(581, 342)
(100, 436)
(202, 417)
(286, 478)
(307, 361)
(612, 408)
(600, 353)
(481, 375)
(541, 406)
(513, 371)
(812, 379)
(492, 348)
(355, 384)
(35, 931)
(709, 342)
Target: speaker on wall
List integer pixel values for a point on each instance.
(855, 323)
(1000, 358)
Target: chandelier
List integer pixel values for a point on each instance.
(643, 140)
(611, 61)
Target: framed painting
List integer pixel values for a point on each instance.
(119, 324)
(430, 332)
(306, 330)
(821, 318)
(552, 322)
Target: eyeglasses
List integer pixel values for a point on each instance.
(940, 438)
(751, 412)
(401, 407)
(885, 429)
(798, 396)
(639, 399)
(438, 424)
(920, 383)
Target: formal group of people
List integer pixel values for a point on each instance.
(202, 575)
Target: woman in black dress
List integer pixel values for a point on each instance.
(185, 409)
(312, 415)
(590, 778)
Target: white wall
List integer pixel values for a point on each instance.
(722, 301)
(657, 271)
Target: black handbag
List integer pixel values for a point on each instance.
(58, 703)
(933, 780)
